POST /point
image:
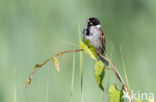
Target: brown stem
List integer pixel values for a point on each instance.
(43, 63)
(61, 53)
(117, 74)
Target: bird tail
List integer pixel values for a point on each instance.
(103, 60)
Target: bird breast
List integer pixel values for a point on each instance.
(94, 37)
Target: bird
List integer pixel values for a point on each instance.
(95, 35)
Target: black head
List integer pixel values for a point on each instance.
(93, 21)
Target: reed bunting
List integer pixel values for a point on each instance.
(95, 35)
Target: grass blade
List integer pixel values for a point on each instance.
(15, 88)
(73, 74)
(123, 66)
(47, 87)
(81, 62)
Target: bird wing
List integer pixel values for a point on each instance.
(102, 39)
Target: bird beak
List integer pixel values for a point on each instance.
(87, 20)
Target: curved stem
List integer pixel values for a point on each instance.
(117, 74)
(37, 66)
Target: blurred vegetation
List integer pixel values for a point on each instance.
(32, 30)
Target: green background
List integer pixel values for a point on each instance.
(33, 30)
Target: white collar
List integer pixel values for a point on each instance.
(98, 26)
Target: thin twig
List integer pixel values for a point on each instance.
(37, 66)
(117, 74)
(61, 53)
(69, 51)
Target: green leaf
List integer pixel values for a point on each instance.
(151, 100)
(99, 73)
(115, 95)
(89, 49)
(137, 100)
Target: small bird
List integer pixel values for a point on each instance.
(95, 35)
